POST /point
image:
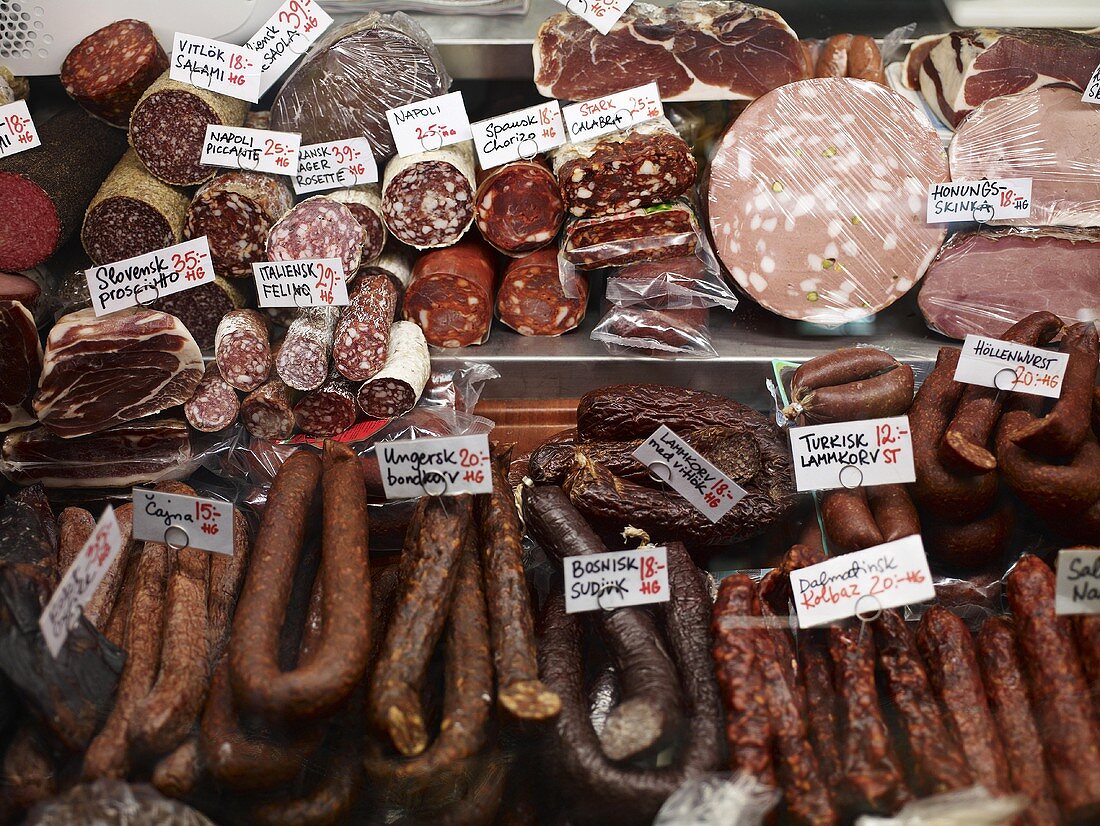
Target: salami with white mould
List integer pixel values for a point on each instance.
(397, 387)
(451, 294)
(532, 300)
(817, 199)
(242, 348)
(365, 203)
(329, 410)
(396, 264)
(318, 227)
(362, 334)
(428, 198)
(215, 405)
(519, 207)
(303, 358)
(266, 412)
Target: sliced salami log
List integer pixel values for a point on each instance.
(396, 264)
(329, 410)
(44, 192)
(451, 295)
(20, 363)
(242, 348)
(215, 405)
(362, 336)
(202, 308)
(303, 358)
(132, 213)
(365, 203)
(519, 207)
(645, 234)
(235, 212)
(645, 165)
(111, 68)
(532, 300)
(396, 388)
(168, 128)
(318, 227)
(266, 411)
(428, 198)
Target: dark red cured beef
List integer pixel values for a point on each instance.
(215, 405)
(318, 227)
(19, 288)
(108, 70)
(363, 332)
(242, 348)
(235, 212)
(532, 300)
(451, 294)
(44, 191)
(329, 410)
(202, 308)
(671, 283)
(428, 198)
(643, 234)
(365, 203)
(519, 207)
(20, 363)
(673, 331)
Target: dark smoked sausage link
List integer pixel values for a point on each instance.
(821, 705)
(325, 803)
(894, 511)
(850, 384)
(848, 520)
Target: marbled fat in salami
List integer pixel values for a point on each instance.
(644, 234)
(519, 207)
(329, 410)
(451, 294)
(215, 405)
(428, 198)
(266, 412)
(532, 299)
(318, 227)
(397, 387)
(362, 335)
(365, 203)
(303, 359)
(242, 348)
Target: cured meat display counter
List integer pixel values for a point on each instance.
(604, 414)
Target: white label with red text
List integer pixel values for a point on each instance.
(429, 124)
(673, 461)
(853, 454)
(1005, 365)
(286, 36)
(145, 278)
(435, 467)
(1092, 88)
(251, 150)
(518, 135)
(981, 201)
(1077, 586)
(217, 66)
(600, 14)
(612, 113)
(316, 282)
(335, 165)
(863, 583)
(616, 579)
(79, 583)
(17, 131)
(181, 521)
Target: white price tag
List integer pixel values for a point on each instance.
(435, 467)
(217, 66)
(616, 579)
(79, 583)
(286, 36)
(672, 460)
(1092, 88)
(1004, 365)
(429, 124)
(852, 454)
(145, 278)
(1077, 587)
(518, 135)
(335, 165)
(600, 14)
(863, 583)
(251, 150)
(180, 521)
(983, 201)
(612, 113)
(17, 131)
(316, 282)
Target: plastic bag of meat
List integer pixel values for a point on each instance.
(650, 233)
(644, 331)
(1048, 135)
(116, 803)
(688, 281)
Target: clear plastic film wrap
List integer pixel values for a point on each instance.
(1048, 135)
(353, 74)
(485, 7)
(645, 331)
(816, 199)
(684, 282)
(642, 234)
(984, 281)
(116, 803)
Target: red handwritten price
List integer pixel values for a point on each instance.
(240, 63)
(345, 154)
(206, 513)
(297, 16)
(650, 567)
(434, 130)
(325, 283)
(190, 265)
(1026, 377)
(99, 548)
(887, 434)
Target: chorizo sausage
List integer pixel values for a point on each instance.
(850, 384)
(75, 526)
(326, 803)
(821, 706)
(178, 773)
(101, 606)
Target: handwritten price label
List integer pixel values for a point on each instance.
(429, 124)
(17, 132)
(252, 150)
(853, 454)
(335, 165)
(983, 201)
(863, 583)
(183, 521)
(1077, 586)
(146, 278)
(616, 579)
(1004, 365)
(612, 113)
(217, 66)
(673, 461)
(519, 135)
(435, 467)
(602, 15)
(79, 584)
(314, 282)
(285, 37)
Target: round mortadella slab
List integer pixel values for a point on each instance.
(817, 199)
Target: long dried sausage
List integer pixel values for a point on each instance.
(450, 294)
(75, 526)
(848, 384)
(242, 348)
(215, 405)
(330, 409)
(100, 608)
(396, 388)
(178, 773)
(266, 412)
(848, 520)
(227, 572)
(363, 332)
(303, 357)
